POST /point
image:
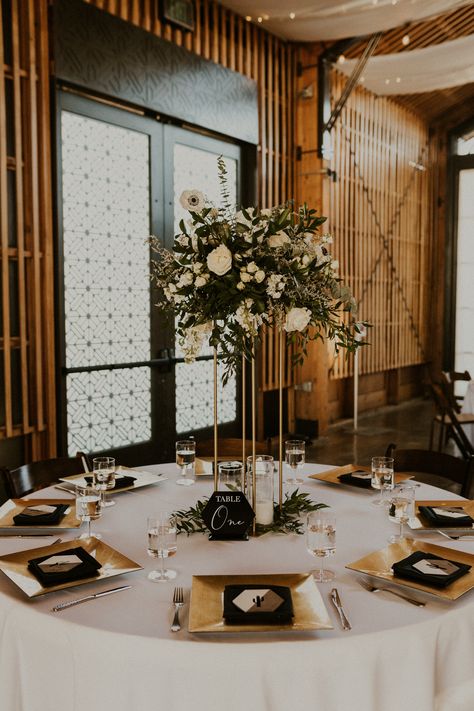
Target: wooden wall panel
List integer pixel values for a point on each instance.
(27, 317)
(379, 214)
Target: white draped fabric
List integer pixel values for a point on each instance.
(117, 652)
(438, 67)
(323, 20)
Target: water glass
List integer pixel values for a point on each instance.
(264, 477)
(383, 477)
(321, 541)
(103, 474)
(161, 532)
(230, 476)
(294, 457)
(402, 508)
(88, 508)
(185, 461)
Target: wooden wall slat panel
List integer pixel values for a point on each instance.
(379, 215)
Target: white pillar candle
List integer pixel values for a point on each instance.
(264, 513)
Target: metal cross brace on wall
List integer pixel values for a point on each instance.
(326, 117)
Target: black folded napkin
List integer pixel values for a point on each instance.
(432, 576)
(121, 482)
(50, 570)
(433, 517)
(268, 605)
(30, 517)
(354, 480)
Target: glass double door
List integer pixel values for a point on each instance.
(124, 387)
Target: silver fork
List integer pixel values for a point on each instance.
(467, 536)
(178, 601)
(374, 588)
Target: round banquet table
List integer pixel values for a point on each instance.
(118, 653)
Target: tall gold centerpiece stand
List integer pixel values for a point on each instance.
(253, 389)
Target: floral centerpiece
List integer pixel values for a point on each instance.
(232, 271)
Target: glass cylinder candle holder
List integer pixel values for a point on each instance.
(231, 476)
(264, 475)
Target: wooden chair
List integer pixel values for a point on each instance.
(450, 423)
(231, 448)
(451, 378)
(435, 468)
(39, 475)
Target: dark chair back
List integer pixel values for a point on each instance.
(454, 469)
(447, 414)
(39, 475)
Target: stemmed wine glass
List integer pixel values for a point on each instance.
(161, 530)
(103, 475)
(321, 541)
(185, 460)
(88, 508)
(402, 508)
(294, 456)
(383, 478)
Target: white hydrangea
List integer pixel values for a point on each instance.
(275, 285)
(186, 279)
(250, 322)
(193, 340)
(245, 276)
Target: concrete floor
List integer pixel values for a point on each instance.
(408, 425)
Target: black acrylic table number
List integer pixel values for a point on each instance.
(228, 516)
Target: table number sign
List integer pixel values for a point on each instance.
(228, 516)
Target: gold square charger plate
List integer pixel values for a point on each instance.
(418, 524)
(15, 565)
(12, 507)
(206, 605)
(142, 479)
(330, 476)
(379, 564)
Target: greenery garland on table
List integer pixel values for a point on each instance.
(285, 521)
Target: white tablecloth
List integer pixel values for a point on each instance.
(468, 407)
(118, 653)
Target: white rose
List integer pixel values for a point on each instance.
(192, 200)
(245, 277)
(240, 285)
(252, 267)
(335, 264)
(297, 319)
(200, 281)
(219, 260)
(171, 288)
(305, 260)
(197, 267)
(259, 276)
(242, 220)
(278, 240)
(266, 212)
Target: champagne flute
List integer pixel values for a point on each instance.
(294, 456)
(383, 477)
(402, 508)
(103, 474)
(161, 530)
(88, 508)
(321, 541)
(185, 459)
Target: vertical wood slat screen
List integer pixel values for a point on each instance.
(379, 214)
(228, 39)
(27, 313)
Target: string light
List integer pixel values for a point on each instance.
(292, 15)
(266, 17)
(248, 18)
(259, 19)
(387, 81)
(341, 59)
(405, 40)
(398, 80)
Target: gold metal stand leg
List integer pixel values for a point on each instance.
(215, 419)
(280, 418)
(254, 438)
(244, 426)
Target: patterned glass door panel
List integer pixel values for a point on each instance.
(106, 219)
(194, 168)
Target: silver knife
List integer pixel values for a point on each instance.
(70, 603)
(336, 601)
